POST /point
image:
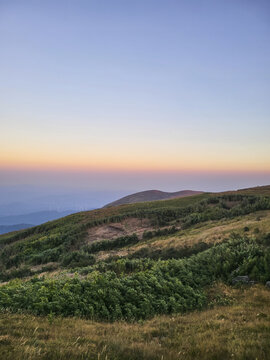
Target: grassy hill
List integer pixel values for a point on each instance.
(152, 195)
(164, 269)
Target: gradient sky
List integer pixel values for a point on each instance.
(126, 90)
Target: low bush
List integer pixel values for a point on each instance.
(77, 259)
(166, 287)
(111, 244)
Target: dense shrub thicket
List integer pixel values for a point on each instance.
(160, 232)
(119, 265)
(164, 287)
(77, 259)
(111, 244)
(25, 271)
(84, 257)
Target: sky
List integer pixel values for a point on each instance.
(134, 95)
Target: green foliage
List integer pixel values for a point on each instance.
(168, 231)
(145, 283)
(77, 259)
(16, 273)
(111, 244)
(170, 253)
(119, 266)
(56, 240)
(161, 287)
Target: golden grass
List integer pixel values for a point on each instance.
(217, 231)
(258, 190)
(209, 232)
(239, 331)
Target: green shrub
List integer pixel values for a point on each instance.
(161, 287)
(111, 244)
(77, 259)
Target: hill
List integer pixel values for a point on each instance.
(152, 265)
(152, 195)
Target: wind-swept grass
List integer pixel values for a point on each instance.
(238, 331)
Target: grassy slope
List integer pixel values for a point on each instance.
(75, 227)
(152, 195)
(209, 232)
(262, 190)
(238, 331)
(44, 239)
(33, 250)
(88, 216)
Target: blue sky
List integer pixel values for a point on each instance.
(164, 86)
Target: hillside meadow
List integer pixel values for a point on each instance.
(152, 280)
(238, 330)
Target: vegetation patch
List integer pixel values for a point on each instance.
(238, 331)
(170, 286)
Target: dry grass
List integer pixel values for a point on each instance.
(217, 231)
(239, 331)
(258, 190)
(209, 232)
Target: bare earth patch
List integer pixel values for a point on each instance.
(209, 232)
(126, 227)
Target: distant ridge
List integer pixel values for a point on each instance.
(8, 228)
(35, 218)
(152, 195)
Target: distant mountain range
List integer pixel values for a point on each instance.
(24, 221)
(152, 195)
(9, 228)
(34, 218)
(20, 200)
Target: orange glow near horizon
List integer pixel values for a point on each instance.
(138, 93)
(131, 155)
(131, 165)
